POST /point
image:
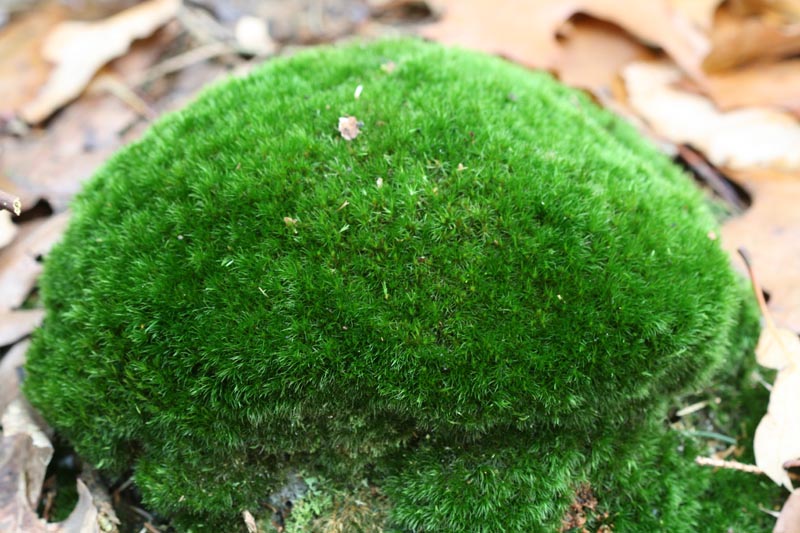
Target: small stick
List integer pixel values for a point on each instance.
(762, 303)
(711, 175)
(10, 202)
(729, 465)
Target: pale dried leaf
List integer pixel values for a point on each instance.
(16, 512)
(700, 12)
(19, 268)
(249, 521)
(7, 228)
(762, 84)
(349, 127)
(10, 367)
(80, 49)
(789, 519)
(777, 437)
(54, 164)
(594, 52)
(526, 30)
(777, 348)
(737, 40)
(17, 324)
(83, 519)
(770, 232)
(22, 69)
(19, 418)
(739, 139)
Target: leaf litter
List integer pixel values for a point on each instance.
(725, 69)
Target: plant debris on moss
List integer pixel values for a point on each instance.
(479, 301)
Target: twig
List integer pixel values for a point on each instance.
(713, 177)
(729, 465)
(762, 303)
(184, 60)
(120, 90)
(151, 528)
(10, 202)
(689, 409)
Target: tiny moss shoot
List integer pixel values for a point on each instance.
(479, 296)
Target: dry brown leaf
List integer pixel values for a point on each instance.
(746, 138)
(19, 268)
(526, 30)
(789, 519)
(775, 346)
(19, 466)
(593, 52)
(10, 367)
(19, 418)
(80, 49)
(770, 232)
(737, 40)
(763, 84)
(53, 163)
(777, 437)
(349, 127)
(22, 69)
(17, 324)
(8, 230)
(249, 521)
(700, 12)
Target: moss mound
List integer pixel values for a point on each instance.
(493, 276)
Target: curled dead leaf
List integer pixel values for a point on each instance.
(770, 231)
(744, 138)
(249, 521)
(16, 324)
(778, 348)
(777, 437)
(16, 511)
(789, 519)
(80, 49)
(19, 267)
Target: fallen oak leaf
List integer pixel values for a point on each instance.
(762, 84)
(789, 518)
(738, 139)
(80, 49)
(700, 12)
(19, 267)
(737, 39)
(17, 324)
(777, 437)
(526, 31)
(593, 53)
(16, 511)
(770, 231)
(19, 418)
(22, 69)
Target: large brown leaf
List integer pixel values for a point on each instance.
(526, 30)
(770, 232)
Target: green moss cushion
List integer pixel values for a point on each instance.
(492, 265)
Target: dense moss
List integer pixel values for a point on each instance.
(494, 276)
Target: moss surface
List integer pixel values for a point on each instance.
(491, 279)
